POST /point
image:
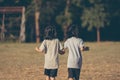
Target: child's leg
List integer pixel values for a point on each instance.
(53, 74)
(52, 78)
(70, 74)
(77, 74)
(73, 74)
(47, 78)
(70, 79)
(47, 73)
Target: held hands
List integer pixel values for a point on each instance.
(62, 51)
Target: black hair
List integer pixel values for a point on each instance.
(50, 33)
(72, 31)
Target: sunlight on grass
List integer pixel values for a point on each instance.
(22, 62)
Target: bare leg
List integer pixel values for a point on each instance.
(47, 78)
(70, 79)
(52, 78)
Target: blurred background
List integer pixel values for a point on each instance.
(25, 20)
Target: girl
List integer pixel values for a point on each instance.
(75, 45)
(51, 46)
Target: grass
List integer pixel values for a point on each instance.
(22, 62)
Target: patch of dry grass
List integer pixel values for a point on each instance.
(22, 62)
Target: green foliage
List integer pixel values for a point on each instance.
(62, 19)
(65, 18)
(77, 2)
(94, 17)
(31, 8)
(92, 13)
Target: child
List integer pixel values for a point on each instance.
(51, 46)
(75, 45)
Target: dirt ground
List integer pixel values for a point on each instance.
(22, 62)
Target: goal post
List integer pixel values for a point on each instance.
(6, 10)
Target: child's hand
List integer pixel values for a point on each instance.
(61, 52)
(86, 48)
(36, 48)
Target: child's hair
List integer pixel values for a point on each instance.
(50, 33)
(72, 31)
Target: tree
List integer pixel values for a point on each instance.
(34, 7)
(37, 14)
(2, 28)
(22, 36)
(65, 19)
(16, 10)
(95, 16)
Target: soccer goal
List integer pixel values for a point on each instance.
(12, 23)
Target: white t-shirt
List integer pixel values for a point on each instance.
(74, 57)
(51, 48)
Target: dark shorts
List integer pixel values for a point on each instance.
(73, 73)
(51, 72)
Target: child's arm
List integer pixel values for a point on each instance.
(38, 50)
(85, 48)
(82, 48)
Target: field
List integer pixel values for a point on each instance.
(22, 62)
